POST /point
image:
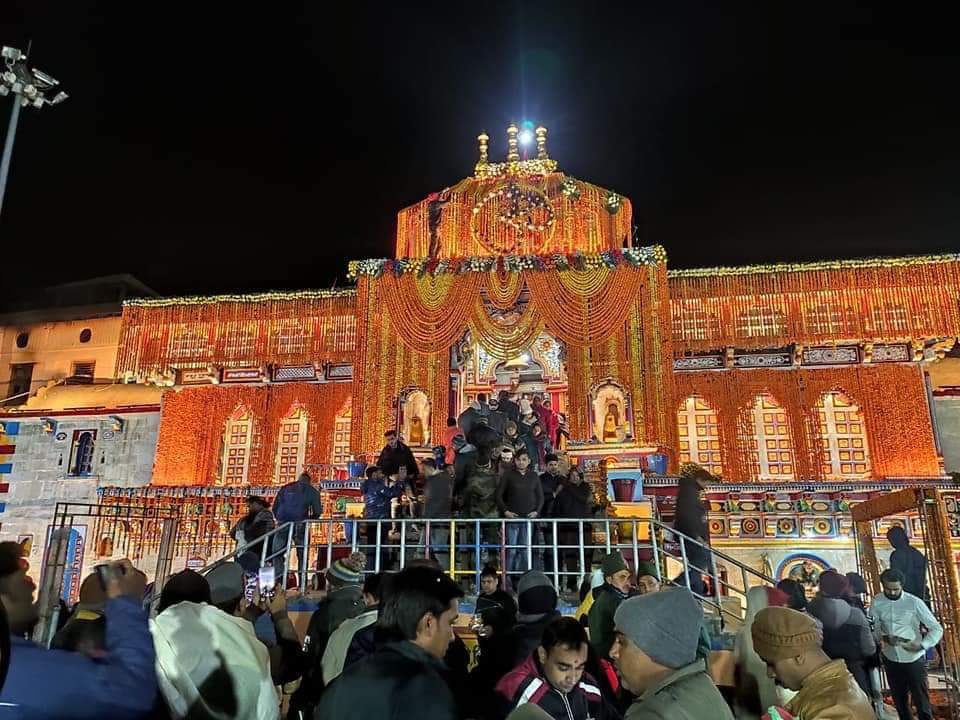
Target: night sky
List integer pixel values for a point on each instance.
(209, 148)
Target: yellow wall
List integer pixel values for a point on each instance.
(54, 347)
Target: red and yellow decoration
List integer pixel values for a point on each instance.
(311, 326)
(898, 424)
(879, 300)
(192, 424)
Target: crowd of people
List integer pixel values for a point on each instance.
(381, 641)
(384, 644)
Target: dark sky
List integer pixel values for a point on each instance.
(208, 148)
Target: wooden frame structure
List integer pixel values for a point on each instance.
(941, 570)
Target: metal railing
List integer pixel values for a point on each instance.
(565, 549)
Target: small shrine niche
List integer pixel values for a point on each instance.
(611, 412)
(415, 418)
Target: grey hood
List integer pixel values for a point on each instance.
(832, 612)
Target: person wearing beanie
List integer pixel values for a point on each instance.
(789, 642)
(344, 600)
(606, 599)
(537, 604)
(655, 652)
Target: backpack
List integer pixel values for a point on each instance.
(290, 505)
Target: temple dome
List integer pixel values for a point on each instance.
(517, 207)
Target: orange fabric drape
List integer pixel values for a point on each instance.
(898, 424)
(192, 423)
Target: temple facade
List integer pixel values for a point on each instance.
(803, 388)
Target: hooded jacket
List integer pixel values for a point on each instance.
(846, 636)
(211, 664)
(297, 501)
(606, 600)
(831, 693)
(687, 693)
(526, 683)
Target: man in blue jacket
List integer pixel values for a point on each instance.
(295, 502)
(58, 684)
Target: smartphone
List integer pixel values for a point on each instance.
(268, 580)
(250, 582)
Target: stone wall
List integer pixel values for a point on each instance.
(40, 476)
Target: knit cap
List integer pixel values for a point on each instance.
(780, 633)
(535, 594)
(665, 625)
(349, 570)
(613, 563)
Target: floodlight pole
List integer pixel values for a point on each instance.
(8, 146)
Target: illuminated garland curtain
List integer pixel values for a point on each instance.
(898, 425)
(429, 312)
(877, 300)
(192, 423)
(503, 288)
(384, 368)
(505, 341)
(581, 319)
(291, 328)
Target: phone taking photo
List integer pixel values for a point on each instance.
(107, 572)
(267, 580)
(250, 582)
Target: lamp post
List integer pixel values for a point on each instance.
(29, 87)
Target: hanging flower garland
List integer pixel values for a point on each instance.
(424, 327)
(503, 288)
(505, 341)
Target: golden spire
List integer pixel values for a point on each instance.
(542, 143)
(513, 150)
(483, 139)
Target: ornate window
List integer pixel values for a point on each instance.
(289, 337)
(341, 436)
(761, 322)
(890, 320)
(845, 451)
(694, 324)
(239, 340)
(187, 342)
(699, 434)
(237, 441)
(291, 446)
(830, 319)
(771, 447)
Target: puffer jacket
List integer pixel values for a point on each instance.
(846, 636)
(687, 693)
(831, 693)
(526, 683)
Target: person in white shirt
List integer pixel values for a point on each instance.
(905, 629)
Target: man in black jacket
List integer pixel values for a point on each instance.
(550, 481)
(394, 454)
(519, 495)
(406, 677)
(574, 500)
(508, 407)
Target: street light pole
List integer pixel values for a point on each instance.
(8, 148)
(28, 86)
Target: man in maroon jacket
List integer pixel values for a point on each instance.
(553, 677)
